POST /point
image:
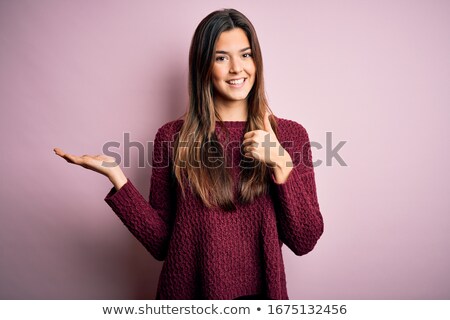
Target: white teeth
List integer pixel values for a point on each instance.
(236, 81)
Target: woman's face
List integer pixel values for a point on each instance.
(233, 72)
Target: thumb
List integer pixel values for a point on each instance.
(267, 126)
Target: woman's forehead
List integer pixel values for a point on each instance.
(234, 40)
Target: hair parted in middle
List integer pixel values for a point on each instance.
(196, 141)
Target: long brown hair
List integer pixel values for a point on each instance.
(197, 142)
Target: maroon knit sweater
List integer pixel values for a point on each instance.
(212, 254)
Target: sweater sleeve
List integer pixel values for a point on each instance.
(300, 222)
(149, 221)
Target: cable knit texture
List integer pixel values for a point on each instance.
(211, 254)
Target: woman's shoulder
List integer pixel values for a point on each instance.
(290, 128)
(169, 129)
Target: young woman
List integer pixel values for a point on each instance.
(230, 182)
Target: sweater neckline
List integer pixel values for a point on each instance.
(233, 124)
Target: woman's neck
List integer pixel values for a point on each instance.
(232, 110)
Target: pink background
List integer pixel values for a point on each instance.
(76, 74)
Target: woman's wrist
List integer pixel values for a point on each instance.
(118, 178)
(282, 168)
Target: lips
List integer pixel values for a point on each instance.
(236, 82)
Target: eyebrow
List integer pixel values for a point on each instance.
(225, 52)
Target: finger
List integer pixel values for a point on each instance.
(72, 158)
(249, 134)
(58, 151)
(247, 141)
(252, 145)
(252, 155)
(64, 155)
(267, 125)
(249, 155)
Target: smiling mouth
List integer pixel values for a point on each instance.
(237, 83)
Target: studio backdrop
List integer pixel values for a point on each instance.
(369, 80)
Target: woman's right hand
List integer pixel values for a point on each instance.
(102, 164)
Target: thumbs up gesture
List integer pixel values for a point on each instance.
(263, 145)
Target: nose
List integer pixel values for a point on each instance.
(235, 66)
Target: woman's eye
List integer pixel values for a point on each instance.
(247, 55)
(220, 58)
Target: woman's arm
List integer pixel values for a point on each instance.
(298, 213)
(149, 221)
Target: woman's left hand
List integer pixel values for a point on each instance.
(264, 146)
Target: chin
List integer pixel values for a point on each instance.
(237, 98)
(241, 96)
(233, 96)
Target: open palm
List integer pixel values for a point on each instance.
(98, 163)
